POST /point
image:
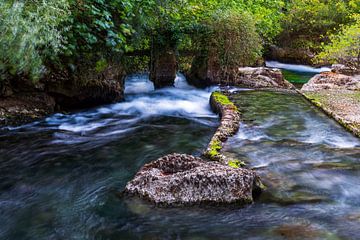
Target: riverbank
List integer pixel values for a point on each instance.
(72, 165)
(337, 93)
(341, 105)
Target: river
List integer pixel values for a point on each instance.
(61, 177)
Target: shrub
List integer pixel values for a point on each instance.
(29, 34)
(344, 47)
(234, 38)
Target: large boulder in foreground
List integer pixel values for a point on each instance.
(332, 81)
(180, 179)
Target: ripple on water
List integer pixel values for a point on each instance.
(61, 182)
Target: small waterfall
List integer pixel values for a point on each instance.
(296, 67)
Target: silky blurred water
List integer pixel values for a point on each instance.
(309, 163)
(61, 178)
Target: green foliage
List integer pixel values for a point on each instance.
(29, 35)
(36, 35)
(234, 38)
(222, 99)
(307, 23)
(344, 47)
(266, 14)
(101, 65)
(98, 27)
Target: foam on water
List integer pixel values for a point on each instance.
(296, 67)
(142, 102)
(138, 83)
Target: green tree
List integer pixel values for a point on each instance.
(29, 35)
(308, 22)
(236, 42)
(344, 47)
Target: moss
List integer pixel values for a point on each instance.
(236, 163)
(215, 147)
(101, 65)
(223, 100)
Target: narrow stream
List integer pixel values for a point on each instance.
(309, 164)
(60, 178)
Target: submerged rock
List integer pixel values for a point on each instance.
(302, 231)
(332, 81)
(180, 179)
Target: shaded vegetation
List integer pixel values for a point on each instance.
(38, 37)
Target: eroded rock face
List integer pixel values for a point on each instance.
(180, 179)
(163, 64)
(290, 55)
(332, 81)
(205, 69)
(261, 77)
(86, 87)
(346, 70)
(25, 107)
(253, 77)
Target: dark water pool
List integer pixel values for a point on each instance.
(60, 178)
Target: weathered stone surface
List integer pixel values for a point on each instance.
(342, 69)
(331, 80)
(229, 125)
(86, 87)
(206, 71)
(22, 100)
(180, 179)
(71, 96)
(342, 105)
(163, 64)
(261, 77)
(25, 107)
(290, 55)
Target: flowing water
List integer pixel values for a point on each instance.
(310, 165)
(60, 178)
(297, 74)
